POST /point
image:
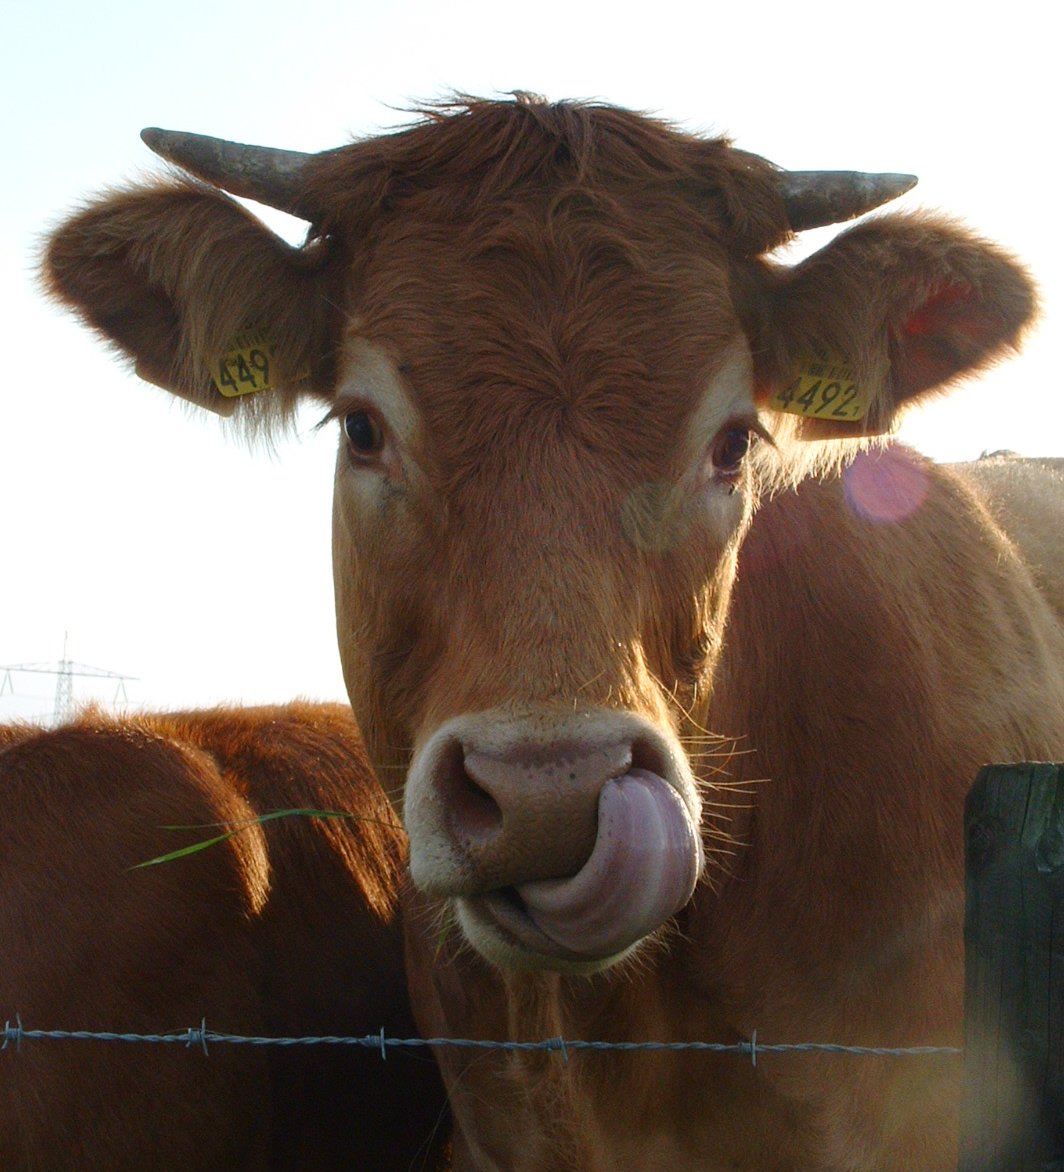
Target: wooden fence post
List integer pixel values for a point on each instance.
(1012, 1118)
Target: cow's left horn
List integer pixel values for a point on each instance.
(271, 176)
(816, 198)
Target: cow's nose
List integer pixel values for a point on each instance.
(530, 812)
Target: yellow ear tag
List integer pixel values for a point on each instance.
(823, 388)
(245, 370)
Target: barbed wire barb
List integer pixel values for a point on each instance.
(15, 1034)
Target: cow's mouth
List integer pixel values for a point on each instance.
(643, 868)
(503, 915)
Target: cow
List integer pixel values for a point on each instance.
(676, 667)
(288, 928)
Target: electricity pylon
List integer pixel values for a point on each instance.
(65, 671)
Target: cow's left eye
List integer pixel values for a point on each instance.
(730, 449)
(364, 432)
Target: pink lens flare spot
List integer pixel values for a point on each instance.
(886, 485)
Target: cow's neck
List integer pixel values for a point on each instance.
(850, 654)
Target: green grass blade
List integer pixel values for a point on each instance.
(196, 847)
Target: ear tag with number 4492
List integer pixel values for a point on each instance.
(245, 369)
(823, 387)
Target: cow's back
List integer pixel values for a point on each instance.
(90, 944)
(1025, 495)
(331, 937)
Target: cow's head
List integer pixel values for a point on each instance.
(553, 349)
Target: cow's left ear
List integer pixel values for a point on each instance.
(885, 314)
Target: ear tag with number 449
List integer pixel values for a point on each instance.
(823, 387)
(245, 369)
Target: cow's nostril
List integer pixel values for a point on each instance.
(476, 811)
(648, 754)
(512, 898)
(474, 816)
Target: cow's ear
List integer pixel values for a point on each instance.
(204, 299)
(893, 310)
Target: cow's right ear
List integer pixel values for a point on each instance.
(205, 300)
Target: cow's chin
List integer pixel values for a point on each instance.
(499, 927)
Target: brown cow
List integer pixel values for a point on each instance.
(289, 928)
(658, 786)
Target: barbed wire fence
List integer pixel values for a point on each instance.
(1014, 994)
(201, 1037)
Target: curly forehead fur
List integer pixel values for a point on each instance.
(488, 151)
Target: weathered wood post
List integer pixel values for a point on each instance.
(1012, 1118)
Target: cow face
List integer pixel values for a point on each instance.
(534, 529)
(548, 342)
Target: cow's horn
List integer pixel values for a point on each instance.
(816, 198)
(273, 177)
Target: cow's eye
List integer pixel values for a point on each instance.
(730, 449)
(364, 432)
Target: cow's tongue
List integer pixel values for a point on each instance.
(644, 867)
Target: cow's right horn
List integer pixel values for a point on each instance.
(270, 176)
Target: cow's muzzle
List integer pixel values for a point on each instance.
(564, 841)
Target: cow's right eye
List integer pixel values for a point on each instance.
(364, 432)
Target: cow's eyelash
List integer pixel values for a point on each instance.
(341, 408)
(330, 416)
(756, 427)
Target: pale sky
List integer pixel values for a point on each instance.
(173, 554)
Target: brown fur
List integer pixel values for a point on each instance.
(556, 293)
(288, 928)
(1024, 496)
